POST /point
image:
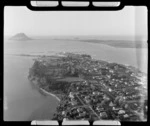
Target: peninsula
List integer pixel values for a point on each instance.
(91, 89)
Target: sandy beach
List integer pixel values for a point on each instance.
(34, 82)
(48, 93)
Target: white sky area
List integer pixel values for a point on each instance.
(130, 21)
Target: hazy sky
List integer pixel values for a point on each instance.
(127, 22)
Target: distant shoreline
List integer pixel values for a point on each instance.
(116, 43)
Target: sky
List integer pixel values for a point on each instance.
(130, 21)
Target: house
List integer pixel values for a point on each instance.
(71, 95)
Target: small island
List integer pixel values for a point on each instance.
(20, 37)
(91, 89)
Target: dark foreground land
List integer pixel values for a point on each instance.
(92, 89)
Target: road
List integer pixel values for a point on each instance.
(88, 106)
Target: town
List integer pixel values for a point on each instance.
(92, 89)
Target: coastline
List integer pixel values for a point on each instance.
(48, 93)
(34, 82)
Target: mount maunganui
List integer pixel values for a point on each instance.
(20, 36)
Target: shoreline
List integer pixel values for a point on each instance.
(48, 93)
(44, 91)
